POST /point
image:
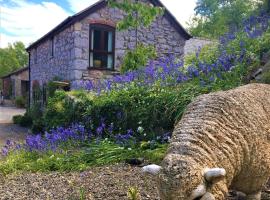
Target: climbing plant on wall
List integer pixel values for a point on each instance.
(138, 14)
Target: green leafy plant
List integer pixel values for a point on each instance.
(133, 194)
(20, 102)
(138, 58)
(82, 193)
(22, 120)
(137, 13)
(266, 77)
(96, 153)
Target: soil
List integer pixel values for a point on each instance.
(100, 183)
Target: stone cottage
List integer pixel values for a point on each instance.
(88, 46)
(16, 84)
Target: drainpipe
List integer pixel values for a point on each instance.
(136, 28)
(29, 71)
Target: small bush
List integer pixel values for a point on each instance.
(20, 102)
(65, 108)
(38, 126)
(16, 119)
(138, 58)
(23, 120)
(266, 77)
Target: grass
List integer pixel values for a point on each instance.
(94, 154)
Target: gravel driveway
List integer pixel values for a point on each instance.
(99, 183)
(6, 114)
(9, 130)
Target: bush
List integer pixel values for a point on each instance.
(65, 108)
(20, 102)
(22, 120)
(138, 58)
(266, 77)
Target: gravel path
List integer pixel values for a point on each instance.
(101, 183)
(6, 114)
(9, 130)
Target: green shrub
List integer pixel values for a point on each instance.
(155, 110)
(20, 102)
(51, 88)
(65, 108)
(266, 77)
(23, 120)
(138, 58)
(38, 126)
(16, 119)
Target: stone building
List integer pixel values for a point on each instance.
(88, 45)
(16, 84)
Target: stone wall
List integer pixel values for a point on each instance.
(71, 47)
(6, 87)
(45, 67)
(18, 78)
(193, 44)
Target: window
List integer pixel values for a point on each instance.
(102, 39)
(35, 56)
(52, 47)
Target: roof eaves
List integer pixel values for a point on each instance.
(15, 72)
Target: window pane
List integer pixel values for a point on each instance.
(92, 39)
(97, 40)
(106, 36)
(110, 42)
(100, 60)
(110, 62)
(91, 60)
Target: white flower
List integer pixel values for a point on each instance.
(140, 129)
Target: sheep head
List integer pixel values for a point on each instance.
(186, 183)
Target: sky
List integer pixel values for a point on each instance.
(28, 20)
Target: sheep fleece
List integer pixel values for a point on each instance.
(230, 130)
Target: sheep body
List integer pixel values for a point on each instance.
(228, 130)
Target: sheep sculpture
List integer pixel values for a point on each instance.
(222, 142)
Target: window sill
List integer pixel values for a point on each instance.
(101, 69)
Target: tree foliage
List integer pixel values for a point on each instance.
(221, 16)
(137, 13)
(12, 58)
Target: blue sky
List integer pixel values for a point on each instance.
(28, 20)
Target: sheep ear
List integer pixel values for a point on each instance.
(214, 175)
(152, 169)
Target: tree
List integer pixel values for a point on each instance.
(215, 17)
(12, 58)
